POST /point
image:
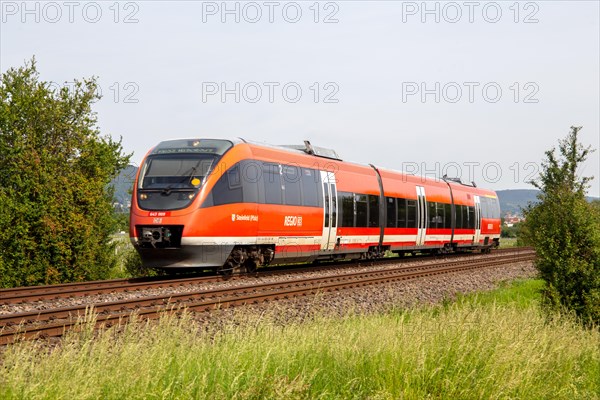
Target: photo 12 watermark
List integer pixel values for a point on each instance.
(452, 12)
(252, 12)
(469, 92)
(53, 12)
(473, 171)
(117, 92)
(269, 92)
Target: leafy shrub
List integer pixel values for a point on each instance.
(565, 231)
(56, 213)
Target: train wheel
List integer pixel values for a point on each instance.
(251, 265)
(226, 270)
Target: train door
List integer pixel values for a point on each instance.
(330, 211)
(477, 219)
(421, 215)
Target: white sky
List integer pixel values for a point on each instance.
(162, 67)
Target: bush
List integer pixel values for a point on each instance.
(510, 231)
(56, 213)
(565, 231)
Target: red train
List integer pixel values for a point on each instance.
(208, 203)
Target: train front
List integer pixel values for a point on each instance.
(166, 216)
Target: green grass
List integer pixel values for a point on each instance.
(508, 242)
(123, 249)
(489, 345)
(520, 294)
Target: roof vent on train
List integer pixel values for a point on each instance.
(315, 150)
(457, 180)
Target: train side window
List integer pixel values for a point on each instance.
(391, 212)
(458, 219)
(346, 209)
(291, 183)
(471, 217)
(431, 213)
(373, 210)
(251, 173)
(319, 189)
(272, 184)
(447, 216)
(492, 210)
(233, 177)
(411, 213)
(440, 215)
(228, 188)
(485, 208)
(361, 210)
(401, 213)
(326, 191)
(465, 217)
(310, 187)
(498, 212)
(333, 206)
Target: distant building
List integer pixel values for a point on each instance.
(512, 219)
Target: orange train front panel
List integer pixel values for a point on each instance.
(188, 244)
(167, 220)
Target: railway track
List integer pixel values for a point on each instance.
(55, 321)
(32, 294)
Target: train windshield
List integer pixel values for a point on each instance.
(175, 171)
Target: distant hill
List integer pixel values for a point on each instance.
(123, 184)
(513, 200)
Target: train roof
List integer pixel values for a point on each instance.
(220, 146)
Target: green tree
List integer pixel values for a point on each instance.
(565, 231)
(510, 231)
(56, 212)
(596, 206)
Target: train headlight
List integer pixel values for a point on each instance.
(143, 196)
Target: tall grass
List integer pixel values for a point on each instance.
(494, 345)
(508, 242)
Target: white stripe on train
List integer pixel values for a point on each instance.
(316, 240)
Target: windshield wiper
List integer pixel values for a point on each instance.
(194, 169)
(189, 176)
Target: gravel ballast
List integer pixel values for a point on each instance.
(360, 300)
(376, 298)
